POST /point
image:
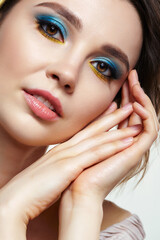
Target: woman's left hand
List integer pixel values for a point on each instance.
(95, 183)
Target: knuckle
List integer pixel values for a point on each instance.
(97, 153)
(69, 168)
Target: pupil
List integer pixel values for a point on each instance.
(52, 29)
(102, 66)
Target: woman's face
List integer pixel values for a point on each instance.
(79, 52)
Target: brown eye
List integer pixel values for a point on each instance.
(102, 67)
(51, 29)
(106, 68)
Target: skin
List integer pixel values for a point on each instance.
(32, 66)
(87, 97)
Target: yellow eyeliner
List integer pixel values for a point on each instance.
(98, 74)
(47, 36)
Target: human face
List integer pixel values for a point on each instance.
(78, 51)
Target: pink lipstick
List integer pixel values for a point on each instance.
(43, 104)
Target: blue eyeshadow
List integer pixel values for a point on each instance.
(54, 20)
(115, 68)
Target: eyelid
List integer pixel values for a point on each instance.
(55, 20)
(115, 68)
(98, 74)
(106, 60)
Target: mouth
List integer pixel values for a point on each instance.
(43, 104)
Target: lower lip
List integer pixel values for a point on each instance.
(39, 109)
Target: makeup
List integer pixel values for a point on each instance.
(106, 68)
(52, 28)
(43, 104)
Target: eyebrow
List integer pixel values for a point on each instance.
(63, 11)
(117, 53)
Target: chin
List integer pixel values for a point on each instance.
(26, 130)
(35, 135)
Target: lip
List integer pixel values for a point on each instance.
(40, 109)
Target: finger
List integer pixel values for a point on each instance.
(125, 94)
(140, 96)
(104, 138)
(144, 100)
(94, 142)
(115, 168)
(124, 100)
(147, 118)
(110, 110)
(104, 124)
(99, 153)
(134, 120)
(133, 80)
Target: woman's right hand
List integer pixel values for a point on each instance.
(37, 187)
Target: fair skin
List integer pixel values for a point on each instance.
(31, 182)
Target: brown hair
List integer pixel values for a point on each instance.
(149, 60)
(148, 65)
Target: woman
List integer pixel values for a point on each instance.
(62, 64)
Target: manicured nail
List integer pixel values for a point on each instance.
(135, 80)
(128, 140)
(112, 106)
(128, 106)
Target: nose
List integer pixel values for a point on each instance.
(65, 73)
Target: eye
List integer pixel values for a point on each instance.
(105, 68)
(52, 28)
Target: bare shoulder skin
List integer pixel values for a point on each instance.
(42, 227)
(112, 214)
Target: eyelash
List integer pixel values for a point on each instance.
(110, 68)
(53, 24)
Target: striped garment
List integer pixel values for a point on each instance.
(129, 229)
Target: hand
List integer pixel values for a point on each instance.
(98, 180)
(38, 186)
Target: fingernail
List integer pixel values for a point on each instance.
(111, 106)
(128, 140)
(136, 127)
(128, 106)
(135, 74)
(135, 80)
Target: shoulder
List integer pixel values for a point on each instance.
(113, 214)
(120, 224)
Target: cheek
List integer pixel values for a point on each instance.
(20, 50)
(94, 100)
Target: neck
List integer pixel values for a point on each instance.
(14, 156)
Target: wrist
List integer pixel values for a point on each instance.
(81, 220)
(12, 227)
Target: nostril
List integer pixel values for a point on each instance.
(67, 86)
(55, 77)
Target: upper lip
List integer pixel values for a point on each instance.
(48, 96)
